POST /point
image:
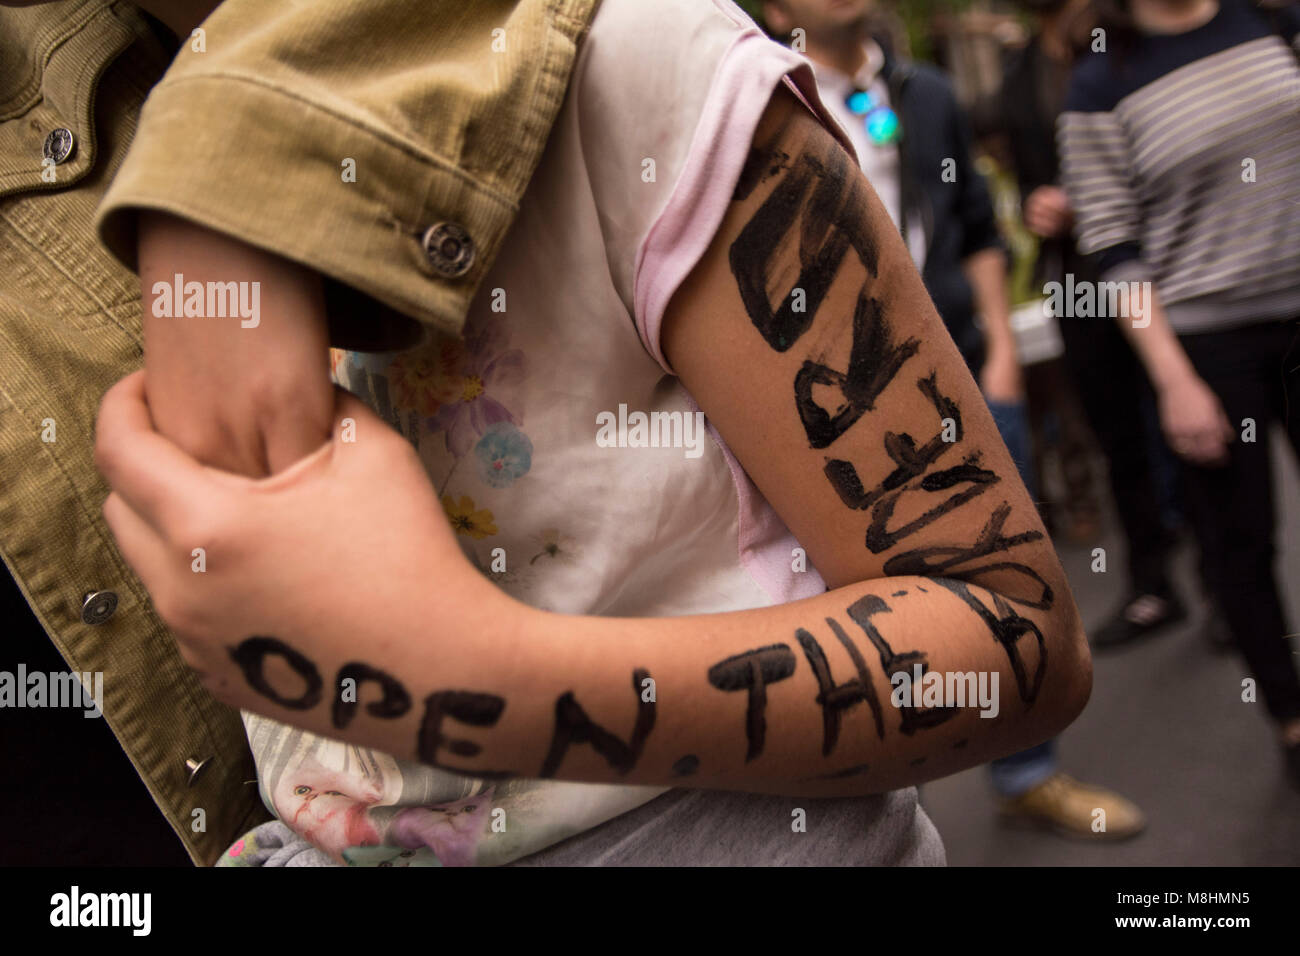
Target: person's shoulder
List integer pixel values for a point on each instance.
(930, 79)
(1093, 87)
(638, 27)
(656, 58)
(931, 88)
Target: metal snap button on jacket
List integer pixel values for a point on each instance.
(194, 767)
(97, 607)
(449, 249)
(59, 144)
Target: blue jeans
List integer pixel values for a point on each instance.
(1020, 772)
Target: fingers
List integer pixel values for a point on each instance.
(1212, 442)
(348, 406)
(1045, 223)
(1211, 450)
(296, 457)
(1227, 434)
(157, 480)
(356, 423)
(1205, 447)
(294, 422)
(1046, 212)
(368, 451)
(142, 547)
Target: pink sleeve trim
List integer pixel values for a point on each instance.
(746, 78)
(748, 74)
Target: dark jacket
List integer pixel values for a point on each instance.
(1033, 94)
(957, 215)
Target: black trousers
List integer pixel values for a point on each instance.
(1255, 371)
(1112, 387)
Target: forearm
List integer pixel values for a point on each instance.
(1146, 326)
(236, 366)
(792, 699)
(986, 271)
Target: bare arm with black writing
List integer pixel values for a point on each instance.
(806, 336)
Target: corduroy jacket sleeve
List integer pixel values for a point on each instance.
(384, 144)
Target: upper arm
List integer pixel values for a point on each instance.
(855, 417)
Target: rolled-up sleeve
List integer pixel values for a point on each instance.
(384, 144)
(1097, 174)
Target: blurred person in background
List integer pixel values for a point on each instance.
(1108, 377)
(914, 145)
(1179, 146)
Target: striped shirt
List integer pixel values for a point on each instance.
(1181, 157)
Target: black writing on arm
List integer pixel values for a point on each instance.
(572, 725)
(815, 210)
(448, 707)
(811, 231)
(930, 504)
(752, 672)
(817, 214)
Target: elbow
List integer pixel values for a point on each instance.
(1065, 682)
(1079, 690)
(1072, 683)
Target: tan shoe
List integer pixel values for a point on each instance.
(1070, 808)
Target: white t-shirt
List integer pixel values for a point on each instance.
(634, 182)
